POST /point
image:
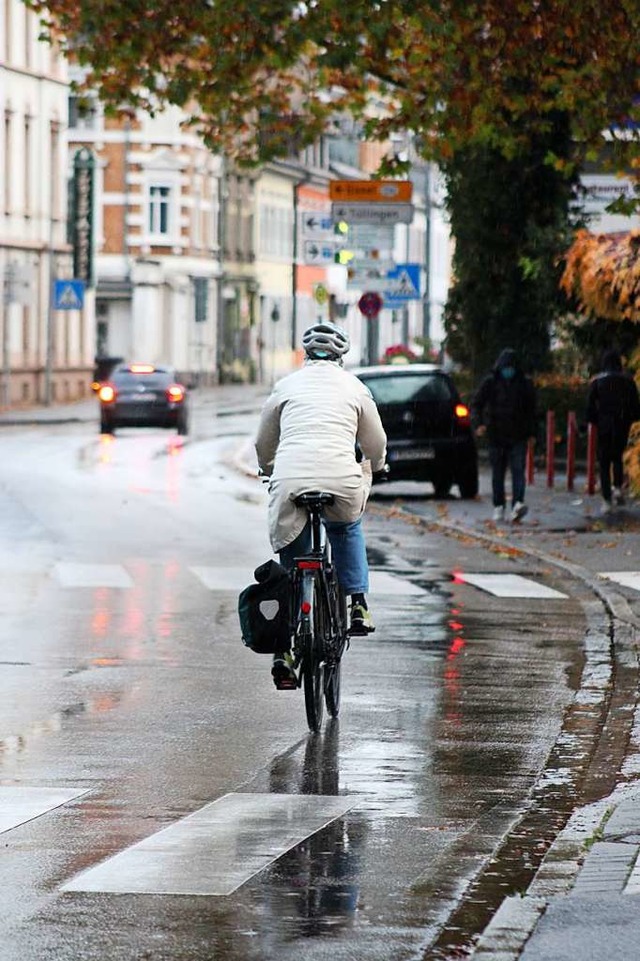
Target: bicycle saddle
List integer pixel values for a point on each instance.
(314, 499)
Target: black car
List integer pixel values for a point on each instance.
(428, 427)
(143, 395)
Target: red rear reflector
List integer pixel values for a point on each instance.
(309, 565)
(462, 411)
(305, 607)
(142, 368)
(175, 392)
(106, 393)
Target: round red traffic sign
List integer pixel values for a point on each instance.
(370, 304)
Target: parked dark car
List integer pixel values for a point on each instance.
(143, 395)
(428, 427)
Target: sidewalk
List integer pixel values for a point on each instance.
(583, 902)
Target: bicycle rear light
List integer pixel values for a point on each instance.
(309, 565)
(305, 607)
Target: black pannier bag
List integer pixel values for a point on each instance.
(263, 609)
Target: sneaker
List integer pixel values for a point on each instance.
(498, 513)
(361, 620)
(519, 511)
(618, 498)
(605, 507)
(283, 674)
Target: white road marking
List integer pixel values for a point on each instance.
(224, 578)
(509, 585)
(216, 849)
(625, 578)
(381, 582)
(92, 575)
(20, 804)
(235, 578)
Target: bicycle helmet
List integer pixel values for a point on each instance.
(325, 342)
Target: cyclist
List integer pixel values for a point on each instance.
(307, 437)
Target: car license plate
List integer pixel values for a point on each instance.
(421, 453)
(139, 399)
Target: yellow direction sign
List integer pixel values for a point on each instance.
(320, 294)
(371, 191)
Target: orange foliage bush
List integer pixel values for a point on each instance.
(603, 273)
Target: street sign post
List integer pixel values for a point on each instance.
(321, 252)
(68, 294)
(370, 304)
(372, 213)
(370, 191)
(398, 285)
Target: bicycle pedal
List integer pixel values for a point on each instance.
(285, 683)
(361, 631)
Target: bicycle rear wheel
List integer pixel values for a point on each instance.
(312, 660)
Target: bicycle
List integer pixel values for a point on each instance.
(318, 617)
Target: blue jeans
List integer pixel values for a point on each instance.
(348, 549)
(503, 456)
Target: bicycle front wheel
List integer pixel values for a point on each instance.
(332, 688)
(313, 684)
(333, 667)
(312, 654)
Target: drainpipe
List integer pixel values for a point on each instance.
(294, 261)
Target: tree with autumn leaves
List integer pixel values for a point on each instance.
(475, 82)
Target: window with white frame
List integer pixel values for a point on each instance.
(160, 215)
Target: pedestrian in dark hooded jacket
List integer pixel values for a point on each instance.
(612, 405)
(504, 408)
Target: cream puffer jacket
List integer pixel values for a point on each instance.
(307, 441)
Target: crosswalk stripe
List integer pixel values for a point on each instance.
(216, 849)
(624, 578)
(224, 578)
(509, 585)
(92, 575)
(382, 582)
(20, 804)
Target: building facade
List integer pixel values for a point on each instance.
(156, 238)
(46, 353)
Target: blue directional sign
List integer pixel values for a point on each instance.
(68, 294)
(402, 284)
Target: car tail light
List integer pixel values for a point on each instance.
(142, 368)
(175, 393)
(462, 413)
(107, 394)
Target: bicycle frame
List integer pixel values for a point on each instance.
(318, 618)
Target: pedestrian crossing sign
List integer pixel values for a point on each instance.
(68, 294)
(402, 284)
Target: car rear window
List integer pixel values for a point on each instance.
(125, 378)
(408, 389)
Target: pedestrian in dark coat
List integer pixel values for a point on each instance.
(504, 408)
(612, 405)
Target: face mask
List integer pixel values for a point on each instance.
(508, 372)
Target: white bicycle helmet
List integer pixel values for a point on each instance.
(325, 341)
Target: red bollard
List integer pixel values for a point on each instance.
(530, 463)
(551, 446)
(572, 430)
(592, 442)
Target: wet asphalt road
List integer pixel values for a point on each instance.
(142, 697)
